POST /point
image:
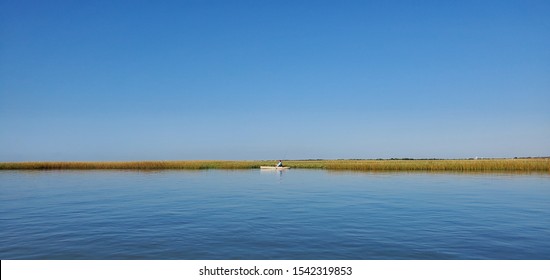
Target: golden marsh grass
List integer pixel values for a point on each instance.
(483, 165)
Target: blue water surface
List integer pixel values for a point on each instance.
(253, 214)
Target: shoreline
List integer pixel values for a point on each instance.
(460, 165)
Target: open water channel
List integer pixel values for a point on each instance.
(253, 214)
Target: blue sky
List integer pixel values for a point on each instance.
(164, 80)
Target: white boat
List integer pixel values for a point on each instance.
(274, 167)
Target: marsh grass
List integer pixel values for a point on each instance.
(139, 165)
(487, 165)
(484, 165)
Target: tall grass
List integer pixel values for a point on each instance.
(486, 165)
(139, 165)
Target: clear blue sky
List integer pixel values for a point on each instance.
(147, 80)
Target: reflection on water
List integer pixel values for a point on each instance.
(274, 172)
(273, 214)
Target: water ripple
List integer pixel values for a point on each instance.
(305, 214)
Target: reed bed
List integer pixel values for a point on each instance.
(462, 165)
(485, 165)
(138, 165)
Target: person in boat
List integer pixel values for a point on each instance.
(280, 164)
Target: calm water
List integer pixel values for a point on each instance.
(296, 214)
